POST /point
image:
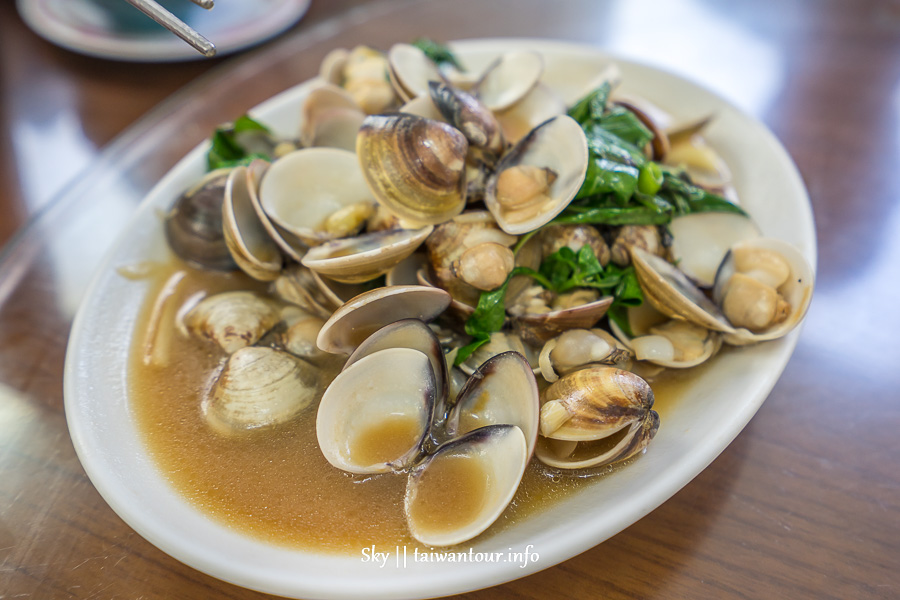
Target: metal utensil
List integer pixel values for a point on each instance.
(176, 25)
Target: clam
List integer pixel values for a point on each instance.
(297, 285)
(595, 416)
(502, 391)
(259, 387)
(405, 272)
(485, 266)
(300, 332)
(764, 287)
(452, 239)
(576, 348)
(574, 237)
(414, 166)
(423, 106)
(540, 104)
(336, 292)
(232, 319)
(331, 118)
(365, 77)
(673, 294)
(193, 226)
(374, 417)
(364, 257)
(415, 334)
(331, 70)
(539, 176)
(501, 342)
(468, 115)
(317, 194)
(249, 243)
(461, 489)
(671, 343)
(410, 70)
(701, 240)
(538, 328)
(363, 315)
(701, 162)
(289, 243)
(645, 237)
(509, 79)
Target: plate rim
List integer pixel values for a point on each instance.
(585, 537)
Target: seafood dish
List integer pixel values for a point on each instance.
(445, 282)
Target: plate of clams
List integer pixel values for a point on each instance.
(438, 318)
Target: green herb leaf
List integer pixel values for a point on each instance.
(608, 177)
(229, 144)
(592, 106)
(626, 126)
(439, 53)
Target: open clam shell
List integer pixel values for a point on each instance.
(305, 187)
(673, 294)
(260, 387)
(330, 118)
(796, 289)
(370, 311)
(289, 243)
(559, 145)
(538, 328)
(540, 104)
(467, 114)
(701, 240)
(660, 347)
(193, 225)
(249, 243)
(410, 70)
(414, 166)
(509, 79)
(374, 417)
(576, 348)
(364, 257)
(415, 334)
(502, 390)
(620, 446)
(461, 489)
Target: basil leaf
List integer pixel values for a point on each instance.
(238, 143)
(614, 215)
(625, 125)
(438, 53)
(592, 106)
(608, 177)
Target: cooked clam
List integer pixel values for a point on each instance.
(764, 287)
(673, 294)
(461, 489)
(576, 348)
(260, 387)
(468, 115)
(249, 243)
(605, 411)
(414, 166)
(701, 240)
(539, 176)
(330, 118)
(502, 391)
(370, 311)
(194, 224)
(509, 79)
(410, 70)
(232, 319)
(538, 328)
(374, 417)
(317, 194)
(540, 104)
(645, 237)
(364, 257)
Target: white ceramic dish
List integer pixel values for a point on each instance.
(704, 422)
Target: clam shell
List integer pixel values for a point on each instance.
(410, 70)
(797, 290)
(558, 144)
(492, 461)
(582, 455)
(672, 293)
(700, 242)
(289, 243)
(509, 79)
(259, 387)
(539, 105)
(642, 318)
(303, 188)
(468, 115)
(370, 311)
(537, 329)
(415, 334)
(364, 257)
(232, 319)
(297, 285)
(598, 401)
(374, 416)
(330, 118)
(502, 391)
(249, 243)
(414, 166)
(193, 225)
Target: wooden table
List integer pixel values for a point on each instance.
(805, 503)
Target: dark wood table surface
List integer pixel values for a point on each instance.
(805, 503)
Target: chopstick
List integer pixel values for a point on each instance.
(175, 25)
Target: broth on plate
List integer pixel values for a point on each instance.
(274, 484)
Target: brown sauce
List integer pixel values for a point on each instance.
(385, 441)
(455, 480)
(274, 484)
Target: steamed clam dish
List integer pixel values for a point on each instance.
(455, 276)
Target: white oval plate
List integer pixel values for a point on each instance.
(702, 424)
